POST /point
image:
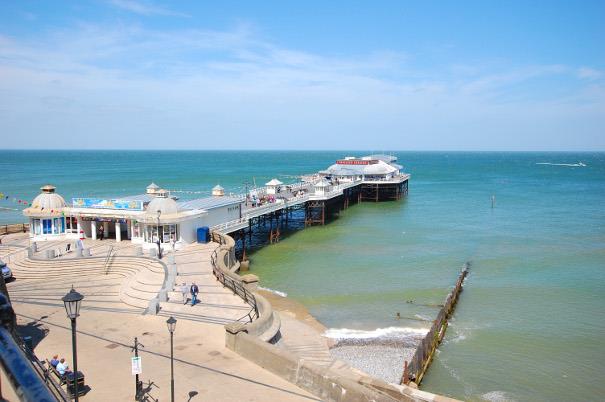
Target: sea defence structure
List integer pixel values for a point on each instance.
(426, 349)
(157, 219)
(257, 341)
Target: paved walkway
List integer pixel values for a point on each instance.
(216, 304)
(111, 316)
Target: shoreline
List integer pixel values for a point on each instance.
(380, 356)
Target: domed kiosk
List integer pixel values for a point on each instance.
(46, 214)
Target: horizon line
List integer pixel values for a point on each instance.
(296, 150)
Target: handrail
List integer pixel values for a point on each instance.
(106, 263)
(27, 382)
(236, 285)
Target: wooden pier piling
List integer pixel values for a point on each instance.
(417, 367)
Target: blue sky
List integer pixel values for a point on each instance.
(391, 75)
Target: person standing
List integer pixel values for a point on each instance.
(194, 291)
(184, 292)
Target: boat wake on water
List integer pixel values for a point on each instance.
(579, 164)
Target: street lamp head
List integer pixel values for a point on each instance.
(72, 301)
(171, 322)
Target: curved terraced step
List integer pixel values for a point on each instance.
(136, 280)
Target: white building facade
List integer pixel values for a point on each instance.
(142, 219)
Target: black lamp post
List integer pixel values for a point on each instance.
(158, 229)
(72, 301)
(171, 327)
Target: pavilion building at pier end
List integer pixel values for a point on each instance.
(141, 219)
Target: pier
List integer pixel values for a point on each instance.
(159, 221)
(319, 198)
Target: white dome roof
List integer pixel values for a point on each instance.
(274, 182)
(379, 168)
(48, 200)
(164, 204)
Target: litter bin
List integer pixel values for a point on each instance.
(203, 234)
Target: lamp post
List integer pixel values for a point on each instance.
(158, 230)
(171, 322)
(72, 301)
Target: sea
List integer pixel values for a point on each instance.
(530, 324)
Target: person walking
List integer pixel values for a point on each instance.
(194, 291)
(184, 292)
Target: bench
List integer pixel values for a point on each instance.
(54, 371)
(68, 379)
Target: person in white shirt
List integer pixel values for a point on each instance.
(62, 367)
(185, 292)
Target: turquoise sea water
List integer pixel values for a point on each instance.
(531, 322)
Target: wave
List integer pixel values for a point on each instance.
(275, 292)
(390, 332)
(579, 164)
(497, 396)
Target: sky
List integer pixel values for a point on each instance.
(364, 75)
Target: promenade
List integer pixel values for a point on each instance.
(107, 327)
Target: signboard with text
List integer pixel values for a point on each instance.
(107, 204)
(137, 367)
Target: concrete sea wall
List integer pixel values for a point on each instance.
(254, 341)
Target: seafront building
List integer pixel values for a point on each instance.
(157, 216)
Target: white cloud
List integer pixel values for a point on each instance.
(123, 85)
(589, 73)
(145, 8)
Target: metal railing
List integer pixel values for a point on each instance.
(107, 259)
(26, 374)
(236, 285)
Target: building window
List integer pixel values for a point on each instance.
(59, 226)
(71, 223)
(167, 232)
(136, 230)
(36, 225)
(47, 226)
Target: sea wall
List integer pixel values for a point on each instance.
(254, 342)
(267, 323)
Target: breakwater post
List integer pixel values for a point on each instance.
(415, 370)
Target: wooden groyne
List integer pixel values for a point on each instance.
(415, 370)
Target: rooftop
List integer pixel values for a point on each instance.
(208, 203)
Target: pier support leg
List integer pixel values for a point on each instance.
(323, 213)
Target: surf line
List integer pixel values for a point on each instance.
(415, 370)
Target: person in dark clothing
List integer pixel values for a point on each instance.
(101, 232)
(194, 291)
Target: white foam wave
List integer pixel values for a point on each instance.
(346, 333)
(579, 164)
(497, 396)
(276, 292)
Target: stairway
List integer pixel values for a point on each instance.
(129, 286)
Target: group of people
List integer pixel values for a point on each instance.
(187, 290)
(60, 365)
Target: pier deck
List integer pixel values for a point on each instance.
(299, 194)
